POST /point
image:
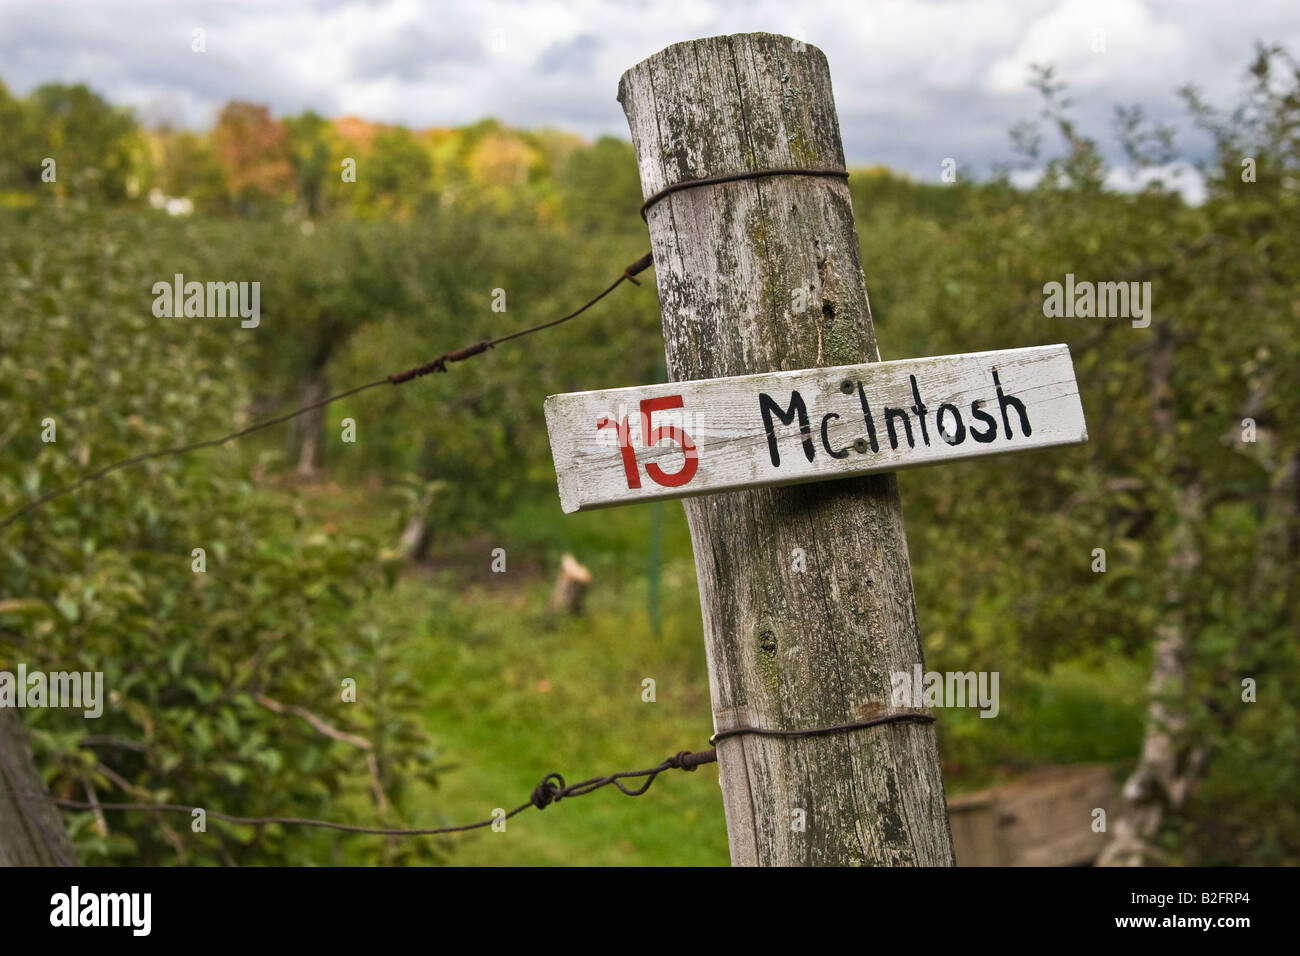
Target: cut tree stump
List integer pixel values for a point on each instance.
(571, 586)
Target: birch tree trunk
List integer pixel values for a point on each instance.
(1169, 765)
(806, 591)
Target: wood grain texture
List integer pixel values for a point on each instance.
(786, 648)
(781, 428)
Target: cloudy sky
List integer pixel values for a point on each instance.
(915, 82)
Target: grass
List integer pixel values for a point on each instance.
(511, 692)
(514, 693)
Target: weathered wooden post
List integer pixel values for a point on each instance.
(787, 647)
(31, 830)
(810, 623)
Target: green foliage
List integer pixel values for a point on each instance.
(188, 168)
(98, 150)
(407, 264)
(19, 166)
(1165, 408)
(396, 179)
(479, 428)
(103, 579)
(309, 144)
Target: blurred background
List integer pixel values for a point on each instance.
(1116, 141)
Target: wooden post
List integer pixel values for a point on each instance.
(31, 829)
(806, 591)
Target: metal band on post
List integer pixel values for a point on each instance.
(736, 177)
(820, 731)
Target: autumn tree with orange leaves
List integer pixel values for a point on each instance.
(252, 150)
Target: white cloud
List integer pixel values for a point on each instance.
(1096, 43)
(1180, 177)
(914, 81)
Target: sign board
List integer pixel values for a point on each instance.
(625, 445)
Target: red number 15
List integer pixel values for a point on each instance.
(651, 437)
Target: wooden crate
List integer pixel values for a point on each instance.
(1043, 819)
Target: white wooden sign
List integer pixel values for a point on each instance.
(625, 445)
